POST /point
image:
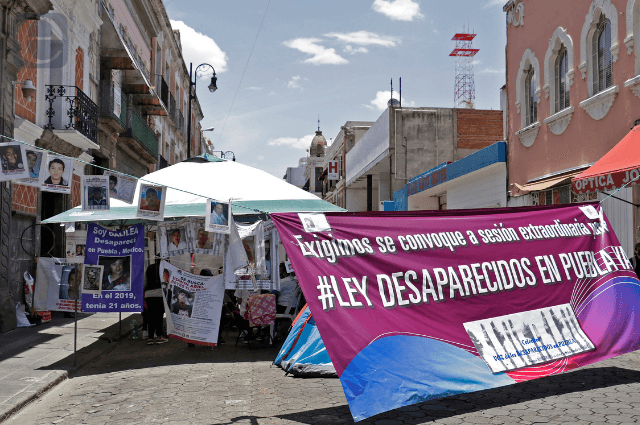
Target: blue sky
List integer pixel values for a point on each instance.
(332, 59)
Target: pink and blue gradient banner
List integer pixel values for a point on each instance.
(414, 306)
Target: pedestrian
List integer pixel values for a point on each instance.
(635, 260)
(155, 305)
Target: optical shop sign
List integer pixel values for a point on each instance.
(421, 305)
(121, 253)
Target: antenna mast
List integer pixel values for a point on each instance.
(464, 94)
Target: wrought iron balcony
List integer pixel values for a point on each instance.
(72, 116)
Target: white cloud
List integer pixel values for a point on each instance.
(365, 38)
(492, 3)
(198, 48)
(399, 10)
(382, 97)
(260, 157)
(294, 83)
(320, 54)
(292, 142)
(253, 88)
(350, 50)
(491, 71)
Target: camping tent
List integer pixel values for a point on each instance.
(193, 181)
(303, 352)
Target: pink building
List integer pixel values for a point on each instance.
(572, 93)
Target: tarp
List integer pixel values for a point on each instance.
(620, 165)
(303, 352)
(419, 305)
(208, 177)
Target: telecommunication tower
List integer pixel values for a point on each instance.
(465, 87)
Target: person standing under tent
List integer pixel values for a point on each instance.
(155, 306)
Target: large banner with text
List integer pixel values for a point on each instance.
(414, 306)
(121, 255)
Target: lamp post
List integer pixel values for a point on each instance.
(192, 95)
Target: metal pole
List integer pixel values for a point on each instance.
(192, 86)
(75, 333)
(120, 322)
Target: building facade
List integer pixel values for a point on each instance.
(573, 92)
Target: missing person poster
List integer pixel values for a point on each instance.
(208, 243)
(476, 299)
(58, 284)
(217, 216)
(121, 255)
(76, 244)
(35, 160)
(121, 187)
(193, 304)
(57, 174)
(95, 193)
(12, 161)
(174, 238)
(92, 279)
(151, 202)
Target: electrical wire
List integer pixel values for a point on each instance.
(243, 72)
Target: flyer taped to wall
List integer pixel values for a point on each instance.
(57, 174)
(193, 304)
(13, 164)
(95, 193)
(58, 284)
(35, 162)
(121, 187)
(467, 299)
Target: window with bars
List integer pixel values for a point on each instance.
(562, 82)
(601, 56)
(531, 107)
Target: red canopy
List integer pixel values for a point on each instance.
(620, 165)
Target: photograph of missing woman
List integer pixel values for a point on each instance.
(182, 302)
(117, 273)
(69, 282)
(92, 278)
(95, 193)
(12, 162)
(217, 218)
(80, 250)
(121, 187)
(151, 203)
(57, 176)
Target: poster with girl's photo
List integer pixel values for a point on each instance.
(57, 175)
(12, 161)
(35, 160)
(121, 187)
(117, 273)
(92, 279)
(151, 202)
(95, 193)
(217, 217)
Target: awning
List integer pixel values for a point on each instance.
(546, 183)
(618, 167)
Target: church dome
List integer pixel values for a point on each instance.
(318, 145)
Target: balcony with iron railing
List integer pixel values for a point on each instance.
(162, 89)
(139, 136)
(113, 106)
(72, 116)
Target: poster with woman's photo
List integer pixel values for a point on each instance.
(95, 193)
(76, 243)
(217, 217)
(117, 273)
(208, 243)
(151, 202)
(13, 161)
(174, 238)
(92, 279)
(121, 187)
(57, 175)
(58, 284)
(193, 304)
(35, 160)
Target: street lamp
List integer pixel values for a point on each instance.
(192, 95)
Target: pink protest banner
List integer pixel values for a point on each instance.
(414, 306)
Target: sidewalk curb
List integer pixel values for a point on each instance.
(65, 375)
(15, 409)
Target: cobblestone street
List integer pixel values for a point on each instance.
(171, 383)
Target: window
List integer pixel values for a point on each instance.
(562, 81)
(530, 104)
(601, 56)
